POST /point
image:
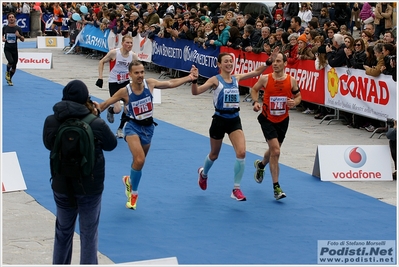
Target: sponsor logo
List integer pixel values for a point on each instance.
(355, 157)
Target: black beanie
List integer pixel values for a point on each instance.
(76, 91)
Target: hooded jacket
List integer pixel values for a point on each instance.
(104, 140)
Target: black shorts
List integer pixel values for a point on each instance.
(114, 87)
(59, 24)
(221, 125)
(273, 130)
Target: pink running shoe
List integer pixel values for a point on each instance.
(202, 182)
(238, 195)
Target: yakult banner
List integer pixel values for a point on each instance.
(353, 91)
(182, 54)
(23, 21)
(35, 60)
(143, 48)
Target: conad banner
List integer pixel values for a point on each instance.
(355, 92)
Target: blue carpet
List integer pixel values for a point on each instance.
(174, 217)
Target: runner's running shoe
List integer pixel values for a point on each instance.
(132, 202)
(238, 195)
(259, 172)
(278, 193)
(119, 133)
(202, 182)
(110, 116)
(126, 183)
(8, 78)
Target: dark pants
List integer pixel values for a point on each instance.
(88, 207)
(12, 58)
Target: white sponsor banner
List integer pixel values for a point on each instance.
(143, 48)
(11, 174)
(340, 163)
(353, 91)
(50, 42)
(359, 252)
(35, 60)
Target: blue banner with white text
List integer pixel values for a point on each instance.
(93, 38)
(182, 54)
(48, 20)
(23, 21)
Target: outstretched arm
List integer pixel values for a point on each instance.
(121, 94)
(260, 69)
(173, 83)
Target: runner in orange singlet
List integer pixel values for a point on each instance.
(58, 14)
(281, 92)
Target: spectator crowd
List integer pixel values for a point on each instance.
(353, 35)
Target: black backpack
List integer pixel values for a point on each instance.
(73, 154)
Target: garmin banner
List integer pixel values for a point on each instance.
(182, 54)
(93, 38)
(23, 21)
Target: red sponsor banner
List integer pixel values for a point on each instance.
(310, 80)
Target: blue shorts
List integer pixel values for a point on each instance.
(145, 133)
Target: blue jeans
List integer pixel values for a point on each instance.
(88, 207)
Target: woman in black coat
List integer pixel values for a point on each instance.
(357, 59)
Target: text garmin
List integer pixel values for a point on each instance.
(95, 41)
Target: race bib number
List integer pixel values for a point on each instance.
(231, 98)
(11, 38)
(278, 105)
(142, 109)
(121, 77)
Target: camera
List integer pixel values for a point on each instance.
(393, 58)
(390, 122)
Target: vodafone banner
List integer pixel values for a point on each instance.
(35, 60)
(353, 91)
(343, 163)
